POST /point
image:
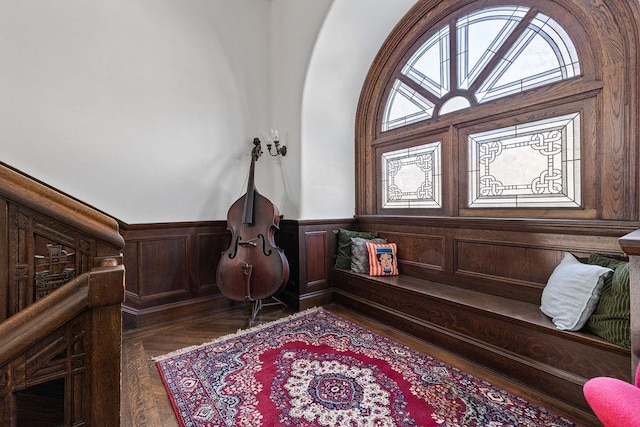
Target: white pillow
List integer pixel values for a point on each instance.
(572, 292)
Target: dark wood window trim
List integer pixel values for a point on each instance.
(606, 93)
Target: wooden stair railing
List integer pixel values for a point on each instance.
(61, 289)
(73, 334)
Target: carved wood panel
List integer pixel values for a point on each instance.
(42, 256)
(62, 355)
(68, 344)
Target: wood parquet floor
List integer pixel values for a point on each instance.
(145, 403)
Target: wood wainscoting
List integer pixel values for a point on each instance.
(171, 268)
(473, 286)
(310, 246)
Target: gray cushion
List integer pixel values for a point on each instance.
(360, 254)
(572, 292)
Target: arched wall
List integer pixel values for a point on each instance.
(350, 37)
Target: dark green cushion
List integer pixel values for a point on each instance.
(343, 259)
(611, 318)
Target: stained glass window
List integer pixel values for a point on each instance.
(407, 107)
(480, 35)
(536, 164)
(540, 53)
(412, 177)
(474, 59)
(429, 66)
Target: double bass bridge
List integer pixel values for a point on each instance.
(253, 243)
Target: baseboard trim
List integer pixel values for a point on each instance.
(138, 318)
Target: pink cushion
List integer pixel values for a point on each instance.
(616, 403)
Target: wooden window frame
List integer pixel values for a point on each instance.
(606, 94)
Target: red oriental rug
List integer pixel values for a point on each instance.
(317, 369)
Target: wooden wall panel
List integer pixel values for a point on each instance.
(130, 256)
(163, 266)
(426, 250)
(526, 264)
(510, 258)
(210, 248)
(4, 258)
(171, 270)
(316, 259)
(310, 247)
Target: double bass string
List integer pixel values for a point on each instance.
(244, 184)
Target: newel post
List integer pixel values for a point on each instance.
(630, 243)
(106, 293)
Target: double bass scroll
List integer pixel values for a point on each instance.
(253, 267)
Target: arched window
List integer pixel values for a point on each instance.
(502, 110)
(484, 55)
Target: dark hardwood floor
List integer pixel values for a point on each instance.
(145, 402)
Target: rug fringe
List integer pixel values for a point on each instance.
(238, 333)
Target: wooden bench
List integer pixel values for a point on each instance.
(473, 287)
(511, 337)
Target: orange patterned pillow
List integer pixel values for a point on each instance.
(383, 260)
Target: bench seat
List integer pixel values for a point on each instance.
(511, 337)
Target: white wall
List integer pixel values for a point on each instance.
(146, 108)
(351, 36)
(294, 28)
(142, 108)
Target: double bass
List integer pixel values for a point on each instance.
(253, 268)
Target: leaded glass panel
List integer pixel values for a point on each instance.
(480, 35)
(405, 106)
(429, 66)
(412, 177)
(535, 164)
(542, 54)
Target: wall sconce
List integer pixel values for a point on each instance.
(280, 150)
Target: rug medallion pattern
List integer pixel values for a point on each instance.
(317, 369)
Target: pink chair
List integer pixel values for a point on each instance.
(616, 403)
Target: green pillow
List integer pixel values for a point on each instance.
(343, 259)
(611, 319)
